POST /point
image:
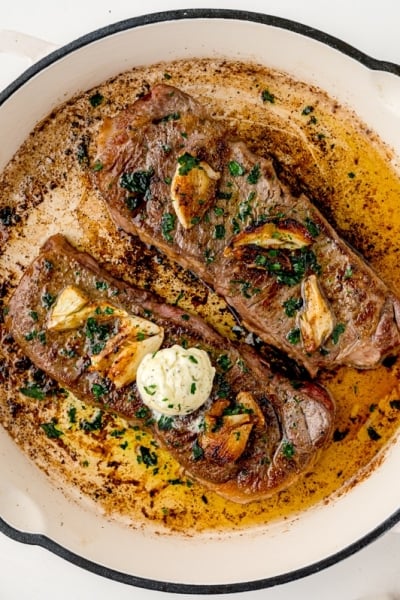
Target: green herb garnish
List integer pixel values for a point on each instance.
(293, 336)
(266, 96)
(32, 390)
(98, 390)
(48, 300)
(167, 225)
(219, 232)
(223, 361)
(137, 182)
(95, 424)
(254, 174)
(288, 450)
(236, 169)
(312, 227)
(187, 162)
(292, 305)
(96, 99)
(337, 332)
(51, 430)
(147, 457)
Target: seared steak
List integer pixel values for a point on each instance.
(256, 433)
(170, 174)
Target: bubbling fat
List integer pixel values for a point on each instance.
(319, 147)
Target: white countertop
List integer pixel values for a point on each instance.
(32, 573)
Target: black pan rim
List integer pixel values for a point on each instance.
(114, 28)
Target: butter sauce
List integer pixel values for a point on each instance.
(320, 147)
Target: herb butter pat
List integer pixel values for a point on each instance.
(175, 381)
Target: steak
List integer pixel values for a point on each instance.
(256, 433)
(173, 176)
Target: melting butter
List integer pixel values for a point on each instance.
(175, 381)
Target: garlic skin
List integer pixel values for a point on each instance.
(175, 381)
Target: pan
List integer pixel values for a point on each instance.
(37, 508)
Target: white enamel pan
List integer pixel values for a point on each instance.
(32, 510)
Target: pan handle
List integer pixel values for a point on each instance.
(18, 51)
(24, 45)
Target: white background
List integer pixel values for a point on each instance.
(31, 573)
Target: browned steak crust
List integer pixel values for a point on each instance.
(268, 285)
(288, 424)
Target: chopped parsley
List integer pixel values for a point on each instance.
(266, 96)
(348, 274)
(236, 169)
(301, 262)
(193, 388)
(312, 227)
(98, 390)
(293, 336)
(254, 174)
(48, 300)
(193, 359)
(101, 285)
(218, 211)
(337, 332)
(51, 430)
(32, 390)
(187, 162)
(137, 182)
(72, 414)
(175, 116)
(219, 232)
(164, 423)
(142, 412)
(97, 334)
(235, 226)
(98, 166)
(167, 225)
(224, 195)
(197, 451)
(147, 457)
(209, 256)
(31, 335)
(224, 362)
(150, 389)
(292, 305)
(96, 99)
(288, 450)
(246, 288)
(95, 424)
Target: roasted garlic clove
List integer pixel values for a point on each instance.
(228, 442)
(126, 362)
(66, 312)
(225, 436)
(193, 189)
(122, 354)
(286, 234)
(315, 319)
(246, 400)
